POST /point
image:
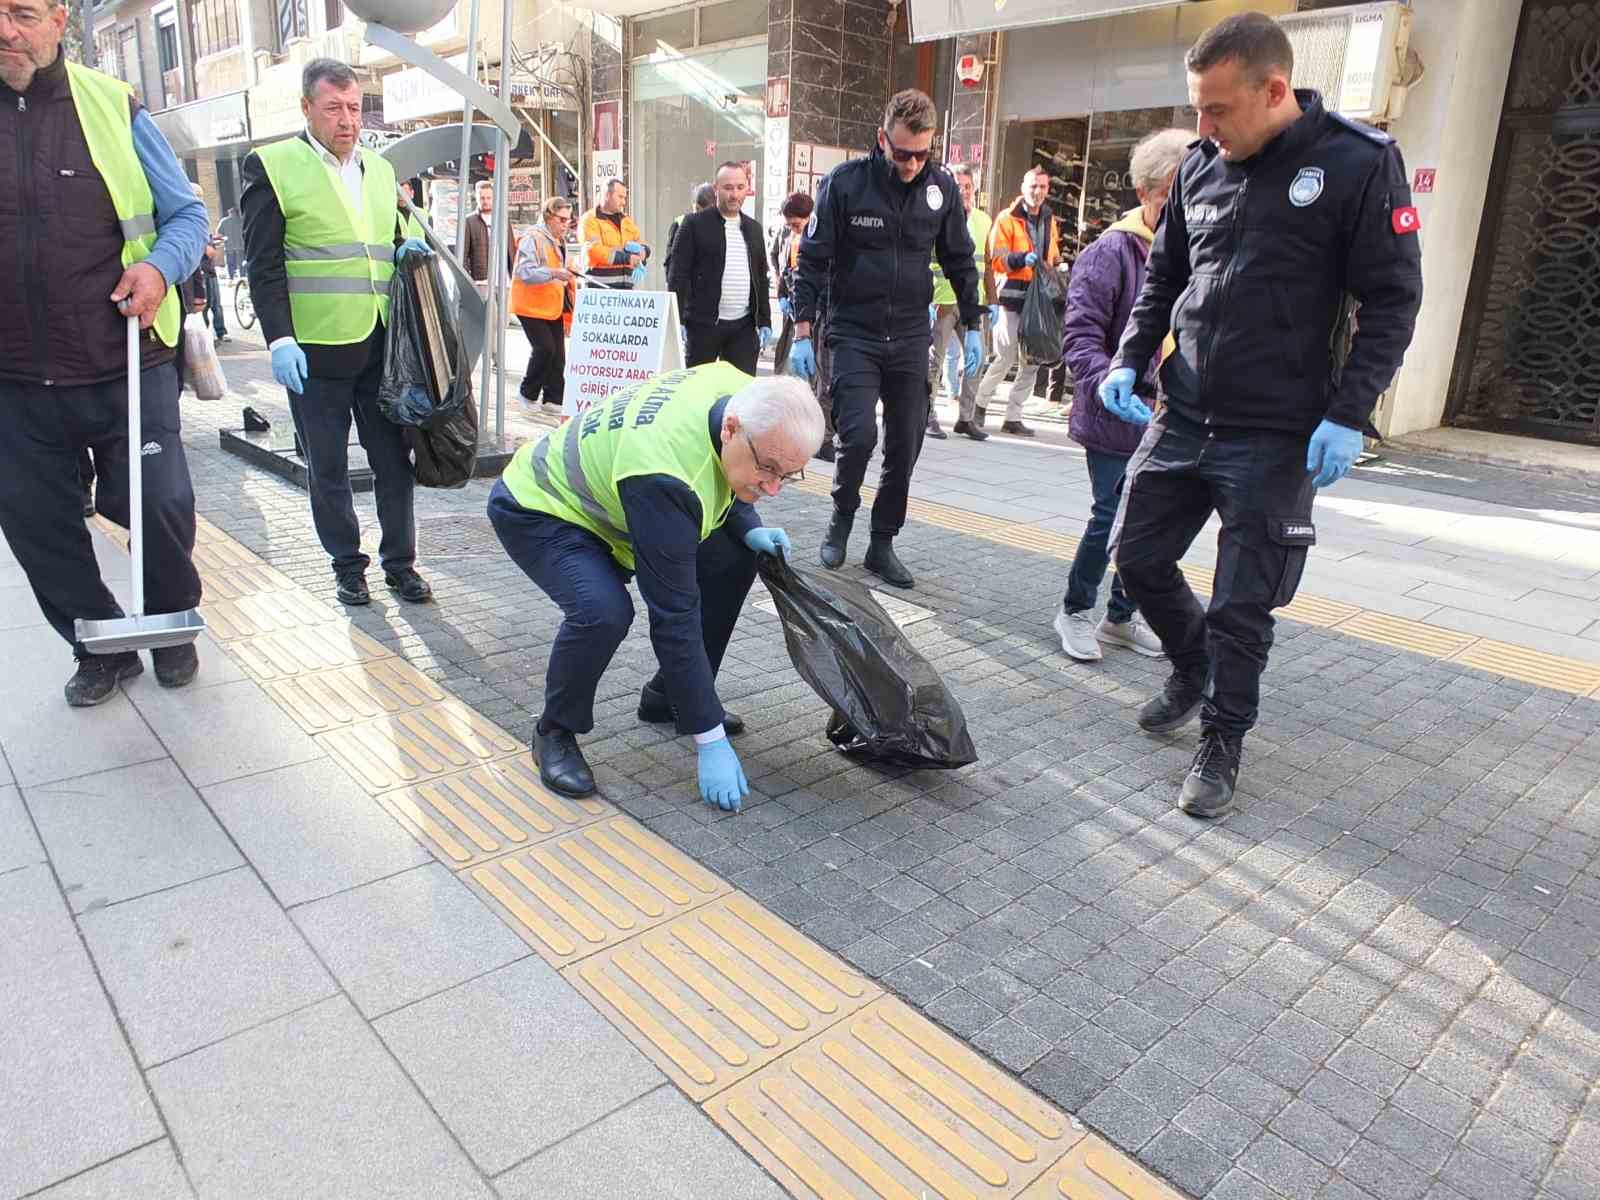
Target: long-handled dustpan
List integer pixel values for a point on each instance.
(137, 631)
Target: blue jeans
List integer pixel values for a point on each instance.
(1089, 563)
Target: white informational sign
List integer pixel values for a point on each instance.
(618, 337)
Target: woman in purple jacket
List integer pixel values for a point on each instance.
(1105, 282)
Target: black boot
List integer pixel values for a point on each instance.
(1016, 429)
(979, 415)
(825, 452)
(561, 764)
(175, 665)
(934, 431)
(96, 678)
(882, 561)
(835, 540)
(971, 429)
(1179, 701)
(656, 709)
(1208, 791)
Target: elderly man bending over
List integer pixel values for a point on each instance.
(658, 479)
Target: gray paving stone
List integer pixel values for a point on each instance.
(1382, 1173)
(148, 1173)
(1184, 1160)
(1128, 1122)
(1308, 1128)
(1012, 1044)
(200, 962)
(657, 1146)
(19, 845)
(1215, 1123)
(1240, 1088)
(1287, 1170)
(307, 1105)
(225, 732)
(126, 832)
(528, 1031)
(73, 1096)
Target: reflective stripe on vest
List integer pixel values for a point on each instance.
(337, 275)
(102, 106)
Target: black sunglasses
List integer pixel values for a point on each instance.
(905, 156)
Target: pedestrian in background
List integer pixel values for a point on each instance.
(541, 295)
(232, 232)
(1105, 282)
(475, 258)
(701, 197)
(1257, 413)
(208, 273)
(796, 212)
(947, 316)
(618, 254)
(719, 274)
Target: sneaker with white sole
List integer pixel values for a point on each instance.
(1132, 635)
(1076, 631)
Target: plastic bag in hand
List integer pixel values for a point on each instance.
(445, 453)
(1041, 319)
(201, 366)
(425, 378)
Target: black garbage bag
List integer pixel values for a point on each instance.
(424, 377)
(888, 702)
(1043, 308)
(444, 452)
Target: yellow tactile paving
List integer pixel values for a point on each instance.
(291, 652)
(886, 1104)
(1531, 666)
(395, 752)
(234, 582)
(222, 554)
(269, 612)
(579, 893)
(205, 532)
(1406, 635)
(112, 530)
(1315, 610)
(346, 695)
(1094, 1170)
(716, 995)
(468, 818)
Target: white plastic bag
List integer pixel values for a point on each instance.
(201, 363)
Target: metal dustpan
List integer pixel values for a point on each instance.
(137, 631)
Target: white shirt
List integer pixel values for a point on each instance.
(351, 175)
(735, 302)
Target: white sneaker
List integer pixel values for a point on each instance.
(1076, 631)
(1132, 635)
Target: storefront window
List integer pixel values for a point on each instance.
(730, 21)
(668, 32)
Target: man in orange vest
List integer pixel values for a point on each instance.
(617, 251)
(540, 289)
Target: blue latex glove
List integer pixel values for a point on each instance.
(1032, 258)
(289, 366)
(994, 314)
(765, 334)
(974, 346)
(769, 539)
(933, 315)
(1332, 452)
(638, 275)
(803, 359)
(722, 780)
(1116, 393)
(410, 246)
(786, 307)
(634, 247)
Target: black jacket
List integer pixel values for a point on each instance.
(269, 282)
(699, 253)
(1254, 268)
(868, 246)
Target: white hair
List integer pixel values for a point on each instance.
(1157, 156)
(783, 405)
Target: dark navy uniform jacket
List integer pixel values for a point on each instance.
(1254, 268)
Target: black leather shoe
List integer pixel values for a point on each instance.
(1179, 701)
(561, 764)
(656, 709)
(836, 539)
(971, 430)
(175, 665)
(883, 562)
(825, 452)
(97, 676)
(408, 585)
(1016, 429)
(1208, 791)
(352, 589)
(935, 432)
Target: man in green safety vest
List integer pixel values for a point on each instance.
(947, 316)
(657, 480)
(322, 232)
(97, 225)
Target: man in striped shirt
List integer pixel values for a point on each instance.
(719, 273)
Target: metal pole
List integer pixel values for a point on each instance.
(466, 134)
(502, 204)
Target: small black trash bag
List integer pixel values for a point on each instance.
(888, 703)
(444, 453)
(1042, 312)
(424, 377)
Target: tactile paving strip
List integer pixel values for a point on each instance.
(346, 695)
(721, 992)
(1093, 1170)
(579, 893)
(250, 616)
(235, 582)
(1546, 670)
(395, 752)
(222, 555)
(1406, 635)
(1315, 610)
(467, 818)
(884, 1104)
(301, 651)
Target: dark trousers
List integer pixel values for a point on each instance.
(577, 570)
(862, 372)
(819, 382)
(322, 419)
(43, 433)
(214, 304)
(231, 258)
(547, 360)
(732, 341)
(1089, 563)
(1256, 481)
(1050, 381)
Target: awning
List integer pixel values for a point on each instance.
(934, 19)
(205, 124)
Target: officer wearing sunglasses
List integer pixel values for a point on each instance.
(877, 222)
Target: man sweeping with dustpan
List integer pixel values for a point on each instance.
(97, 223)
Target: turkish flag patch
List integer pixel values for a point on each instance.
(1405, 220)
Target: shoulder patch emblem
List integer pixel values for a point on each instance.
(811, 225)
(935, 196)
(1307, 186)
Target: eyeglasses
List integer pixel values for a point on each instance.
(905, 156)
(22, 18)
(772, 472)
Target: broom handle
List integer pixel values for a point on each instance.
(135, 472)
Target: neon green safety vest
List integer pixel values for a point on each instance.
(107, 121)
(338, 261)
(414, 226)
(657, 427)
(978, 226)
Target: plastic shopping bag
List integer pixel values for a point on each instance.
(201, 365)
(888, 702)
(445, 452)
(424, 376)
(1042, 313)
